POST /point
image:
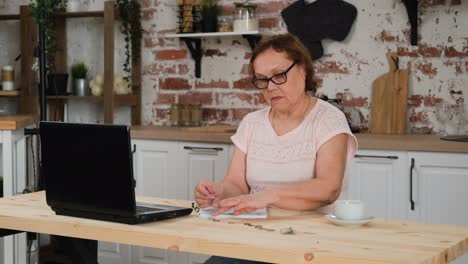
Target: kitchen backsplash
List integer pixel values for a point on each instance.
(438, 65)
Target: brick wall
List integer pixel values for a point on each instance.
(438, 65)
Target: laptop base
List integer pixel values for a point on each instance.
(130, 219)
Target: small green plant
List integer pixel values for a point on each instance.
(130, 17)
(79, 71)
(209, 12)
(49, 8)
(251, 7)
(210, 7)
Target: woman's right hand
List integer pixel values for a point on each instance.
(208, 192)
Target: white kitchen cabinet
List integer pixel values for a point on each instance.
(375, 178)
(169, 169)
(439, 187)
(112, 253)
(436, 182)
(202, 161)
(439, 182)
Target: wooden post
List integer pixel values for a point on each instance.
(136, 87)
(29, 101)
(109, 18)
(56, 108)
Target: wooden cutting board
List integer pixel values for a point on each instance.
(389, 103)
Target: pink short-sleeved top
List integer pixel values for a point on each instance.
(274, 160)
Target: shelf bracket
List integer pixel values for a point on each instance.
(194, 46)
(252, 39)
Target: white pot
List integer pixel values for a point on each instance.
(73, 6)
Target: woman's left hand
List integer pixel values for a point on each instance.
(244, 204)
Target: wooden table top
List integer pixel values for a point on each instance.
(13, 122)
(315, 240)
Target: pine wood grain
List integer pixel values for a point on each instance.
(315, 240)
(390, 100)
(13, 122)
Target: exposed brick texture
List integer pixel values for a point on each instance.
(171, 54)
(438, 65)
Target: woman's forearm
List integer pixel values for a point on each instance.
(231, 189)
(308, 195)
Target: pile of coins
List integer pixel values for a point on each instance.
(189, 16)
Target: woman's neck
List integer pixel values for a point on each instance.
(298, 112)
(283, 122)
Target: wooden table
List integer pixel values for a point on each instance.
(13, 148)
(315, 240)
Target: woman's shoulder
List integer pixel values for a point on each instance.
(327, 115)
(325, 108)
(257, 116)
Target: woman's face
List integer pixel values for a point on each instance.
(280, 96)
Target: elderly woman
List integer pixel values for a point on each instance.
(291, 154)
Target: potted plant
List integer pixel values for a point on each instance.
(79, 72)
(209, 14)
(130, 17)
(56, 82)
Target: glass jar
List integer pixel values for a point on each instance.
(245, 18)
(184, 115)
(195, 114)
(224, 24)
(175, 115)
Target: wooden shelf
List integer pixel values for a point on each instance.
(81, 14)
(9, 17)
(119, 100)
(74, 97)
(193, 42)
(28, 97)
(211, 34)
(10, 93)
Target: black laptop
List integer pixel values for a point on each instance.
(88, 172)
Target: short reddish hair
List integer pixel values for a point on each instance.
(295, 51)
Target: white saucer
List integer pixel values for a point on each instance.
(348, 223)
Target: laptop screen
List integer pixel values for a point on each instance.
(87, 167)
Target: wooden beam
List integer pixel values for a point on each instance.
(29, 100)
(109, 18)
(136, 88)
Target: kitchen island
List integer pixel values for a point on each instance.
(314, 239)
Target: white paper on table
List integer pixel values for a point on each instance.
(208, 213)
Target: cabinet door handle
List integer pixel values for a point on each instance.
(202, 148)
(411, 185)
(375, 156)
(134, 149)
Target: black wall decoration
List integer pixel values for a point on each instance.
(318, 20)
(412, 10)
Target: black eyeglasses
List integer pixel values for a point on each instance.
(278, 78)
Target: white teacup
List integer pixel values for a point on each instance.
(349, 209)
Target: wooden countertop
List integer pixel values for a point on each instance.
(408, 142)
(315, 239)
(182, 134)
(13, 122)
